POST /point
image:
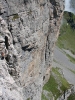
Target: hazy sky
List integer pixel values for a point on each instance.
(70, 6)
(67, 5)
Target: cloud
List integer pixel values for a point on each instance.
(67, 5)
(70, 6)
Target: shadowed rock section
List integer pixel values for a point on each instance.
(28, 32)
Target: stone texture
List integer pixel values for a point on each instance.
(28, 32)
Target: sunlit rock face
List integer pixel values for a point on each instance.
(28, 32)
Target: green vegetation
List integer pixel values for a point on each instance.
(64, 84)
(70, 17)
(29, 12)
(57, 84)
(73, 71)
(44, 97)
(71, 58)
(66, 38)
(52, 86)
(15, 16)
(47, 96)
(28, 99)
(71, 97)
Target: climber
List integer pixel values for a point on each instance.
(2, 55)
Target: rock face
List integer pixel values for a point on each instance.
(28, 31)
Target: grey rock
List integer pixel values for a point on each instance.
(28, 32)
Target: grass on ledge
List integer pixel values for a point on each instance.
(65, 85)
(71, 97)
(73, 71)
(66, 38)
(15, 16)
(52, 85)
(71, 58)
(44, 97)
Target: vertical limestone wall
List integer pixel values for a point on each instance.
(28, 32)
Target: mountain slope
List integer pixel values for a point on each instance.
(66, 38)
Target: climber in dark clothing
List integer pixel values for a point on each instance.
(2, 55)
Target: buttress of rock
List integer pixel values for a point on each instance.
(8, 89)
(28, 32)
